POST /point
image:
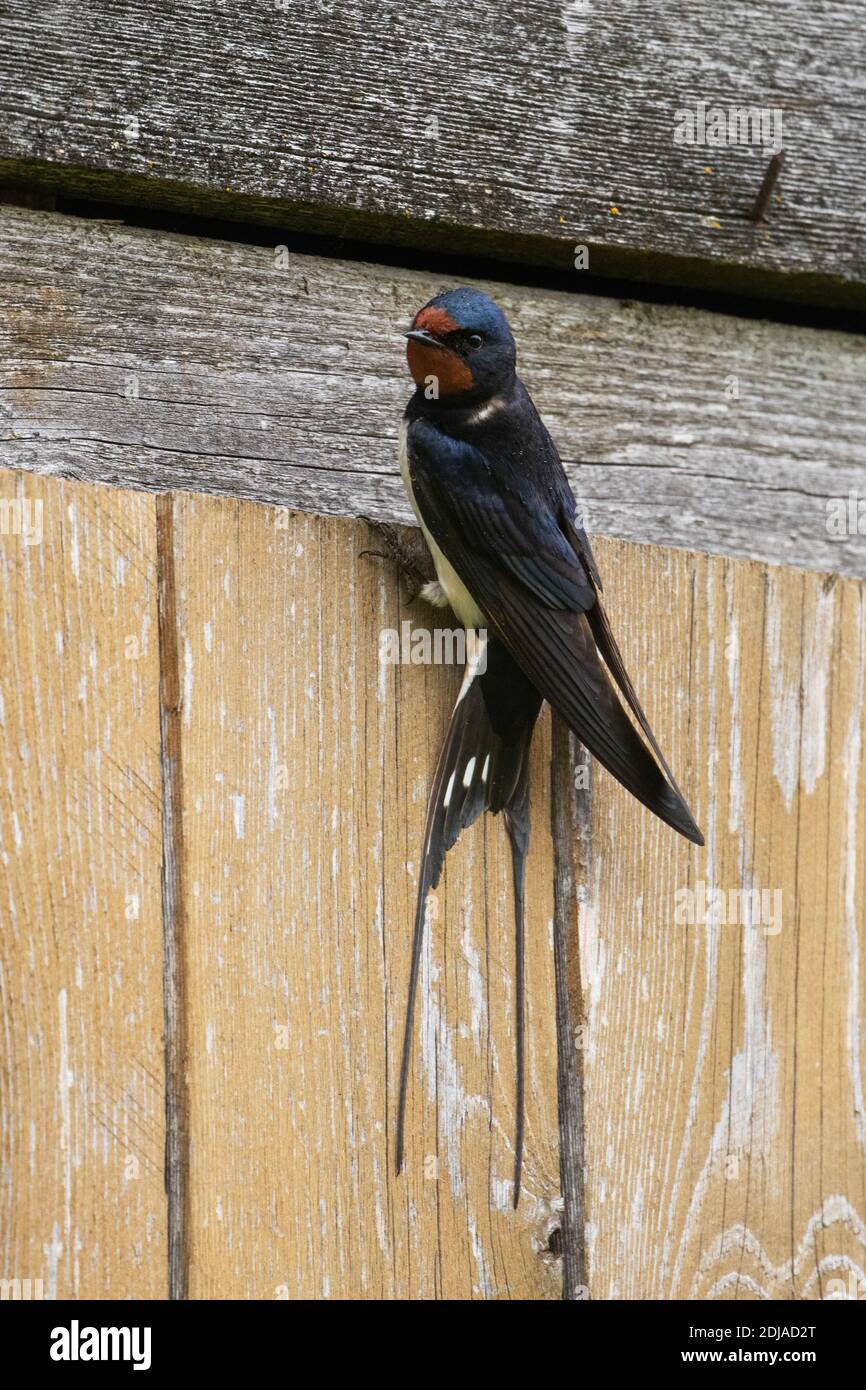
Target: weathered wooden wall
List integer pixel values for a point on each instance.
(213, 793)
(521, 129)
(303, 772)
(81, 847)
(723, 1066)
(162, 361)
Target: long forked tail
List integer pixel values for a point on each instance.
(483, 766)
(517, 825)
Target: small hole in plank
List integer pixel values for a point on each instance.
(554, 1242)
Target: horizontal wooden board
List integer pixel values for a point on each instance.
(724, 1064)
(151, 360)
(519, 129)
(83, 1127)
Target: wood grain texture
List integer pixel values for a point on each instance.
(174, 963)
(149, 360)
(306, 771)
(554, 126)
(80, 845)
(724, 1063)
(723, 1066)
(571, 829)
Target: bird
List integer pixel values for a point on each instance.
(513, 562)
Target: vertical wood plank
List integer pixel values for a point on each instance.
(724, 1063)
(81, 939)
(306, 769)
(571, 828)
(173, 906)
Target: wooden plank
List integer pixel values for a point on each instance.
(81, 938)
(724, 1064)
(571, 828)
(306, 766)
(158, 361)
(521, 130)
(177, 1153)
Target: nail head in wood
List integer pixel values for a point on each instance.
(774, 168)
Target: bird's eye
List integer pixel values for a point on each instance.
(474, 340)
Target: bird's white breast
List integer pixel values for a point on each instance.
(458, 595)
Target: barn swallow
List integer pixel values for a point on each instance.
(512, 559)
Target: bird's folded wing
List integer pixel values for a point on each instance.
(507, 544)
(503, 521)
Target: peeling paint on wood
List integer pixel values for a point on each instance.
(725, 1147)
(298, 940)
(80, 848)
(723, 1063)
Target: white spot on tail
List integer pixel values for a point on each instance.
(446, 800)
(467, 776)
(476, 652)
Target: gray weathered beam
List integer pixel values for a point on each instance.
(158, 361)
(516, 128)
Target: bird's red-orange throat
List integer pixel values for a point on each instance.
(440, 365)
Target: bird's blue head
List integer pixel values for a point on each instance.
(460, 348)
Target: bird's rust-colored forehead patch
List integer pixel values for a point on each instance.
(435, 320)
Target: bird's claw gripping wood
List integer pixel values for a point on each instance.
(405, 548)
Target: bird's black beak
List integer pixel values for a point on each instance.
(422, 335)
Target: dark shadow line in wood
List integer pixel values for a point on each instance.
(570, 811)
(741, 273)
(174, 993)
(441, 259)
